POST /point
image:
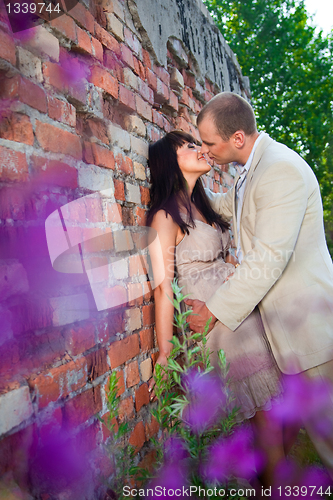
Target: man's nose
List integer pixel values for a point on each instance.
(204, 148)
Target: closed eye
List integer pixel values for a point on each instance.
(191, 146)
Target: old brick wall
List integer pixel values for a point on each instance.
(81, 98)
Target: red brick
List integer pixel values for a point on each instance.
(166, 125)
(162, 93)
(14, 452)
(12, 204)
(146, 59)
(127, 216)
(57, 140)
(145, 195)
(37, 351)
(66, 26)
(146, 92)
(151, 79)
(143, 108)
(141, 397)
(189, 79)
(25, 91)
(173, 101)
(149, 461)
(124, 164)
(104, 80)
(154, 134)
(97, 155)
(132, 374)
(16, 127)
(126, 98)
(107, 40)
(79, 339)
(126, 409)
(105, 427)
(124, 350)
(157, 118)
(152, 428)
(127, 56)
(97, 49)
(97, 364)
(59, 382)
(119, 190)
(154, 357)
(83, 41)
(136, 266)
(111, 62)
(54, 172)
(7, 48)
(148, 315)
(208, 96)
(79, 409)
(61, 111)
(185, 98)
(147, 291)
(83, 16)
(94, 209)
(182, 124)
(96, 128)
(134, 294)
(138, 437)
(55, 76)
(13, 165)
(140, 214)
(139, 68)
(87, 439)
(162, 74)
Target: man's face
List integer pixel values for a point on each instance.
(217, 149)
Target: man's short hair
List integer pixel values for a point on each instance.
(229, 112)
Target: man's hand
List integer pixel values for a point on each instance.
(198, 323)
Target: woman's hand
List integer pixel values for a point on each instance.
(163, 361)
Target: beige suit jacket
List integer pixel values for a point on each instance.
(286, 268)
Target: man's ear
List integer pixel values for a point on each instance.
(238, 139)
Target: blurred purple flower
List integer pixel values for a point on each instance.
(171, 477)
(207, 401)
(174, 450)
(305, 400)
(293, 481)
(233, 456)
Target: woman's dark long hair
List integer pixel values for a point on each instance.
(168, 186)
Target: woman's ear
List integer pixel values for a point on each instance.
(238, 139)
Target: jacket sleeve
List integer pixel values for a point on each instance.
(280, 199)
(221, 202)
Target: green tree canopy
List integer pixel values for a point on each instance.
(290, 67)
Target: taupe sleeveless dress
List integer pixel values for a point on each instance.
(254, 374)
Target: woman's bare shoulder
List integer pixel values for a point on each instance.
(163, 220)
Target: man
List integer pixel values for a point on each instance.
(285, 267)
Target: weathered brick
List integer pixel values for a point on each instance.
(132, 374)
(103, 157)
(143, 108)
(127, 216)
(15, 407)
(79, 339)
(127, 98)
(70, 308)
(163, 74)
(120, 383)
(173, 101)
(140, 215)
(83, 41)
(104, 80)
(147, 340)
(13, 165)
(97, 49)
(145, 195)
(13, 205)
(119, 190)
(157, 118)
(146, 92)
(114, 65)
(151, 428)
(123, 350)
(124, 164)
(162, 92)
(133, 319)
(57, 140)
(141, 397)
(13, 278)
(7, 48)
(55, 76)
(83, 16)
(130, 79)
(126, 409)
(139, 146)
(148, 315)
(16, 127)
(146, 370)
(139, 171)
(59, 382)
(66, 26)
(97, 364)
(134, 124)
(115, 26)
(137, 438)
(29, 65)
(117, 7)
(151, 79)
(147, 291)
(79, 409)
(107, 40)
(22, 89)
(94, 178)
(61, 111)
(133, 193)
(139, 68)
(127, 56)
(43, 42)
(119, 137)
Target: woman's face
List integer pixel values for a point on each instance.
(191, 160)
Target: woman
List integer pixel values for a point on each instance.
(196, 240)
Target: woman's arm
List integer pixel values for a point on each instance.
(167, 231)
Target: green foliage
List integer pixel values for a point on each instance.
(290, 68)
